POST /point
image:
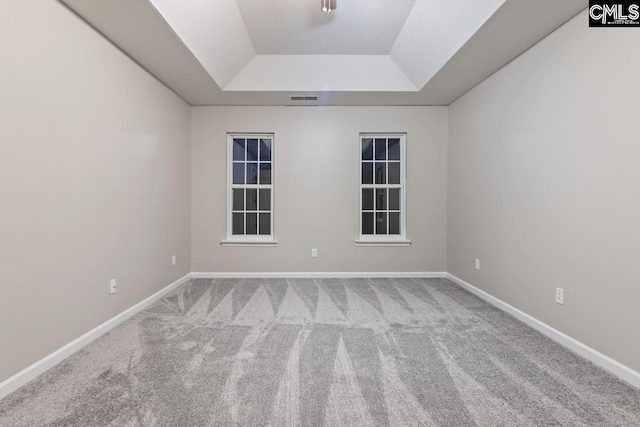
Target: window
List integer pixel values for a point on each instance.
(250, 190)
(382, 189)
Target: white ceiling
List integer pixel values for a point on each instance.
(214, 32)
(236, 52)
(435, 31)
(322, 73)
(296, 27)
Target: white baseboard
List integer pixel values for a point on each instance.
(616, 368)
(21, 378)
(322, 275)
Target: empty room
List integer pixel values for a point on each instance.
(319, 213)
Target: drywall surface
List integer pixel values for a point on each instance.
(316, 179)
(543, 184)
(94, 181)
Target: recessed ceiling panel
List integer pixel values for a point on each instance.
(298, 27)
(323, 73)
(213, 31)
(414, 51)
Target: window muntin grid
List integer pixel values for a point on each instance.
(382, 187)
(250, 187)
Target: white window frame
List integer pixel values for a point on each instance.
(248, 240)
(385, 239)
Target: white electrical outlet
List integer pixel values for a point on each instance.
(173, 260)
(477, 264)
(314, 253)
(112, 286)
(560, 295)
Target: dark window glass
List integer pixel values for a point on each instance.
(252, 223)
(238, 173)
(367, 149)
(367, 223)
(238, 199)
(394, 172)
(394, 222)
(265, 199)
(381, 199)
(237, 223)
(367, 173)
(394, 199)
(394, 149)
(367, 199)
(381, 149)
(265, 150)
(381, 173)
(252, 150)
(238, 149)
(252, 173)
(381, 223)
(265, 173)
(265, 223)
(252, 199)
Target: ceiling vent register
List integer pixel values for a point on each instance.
(304, 98)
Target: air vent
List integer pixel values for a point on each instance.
(304, 98)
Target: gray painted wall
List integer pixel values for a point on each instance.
(94, 181)
(316, 188)
(544, 185)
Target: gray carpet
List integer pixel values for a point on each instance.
(333, 352)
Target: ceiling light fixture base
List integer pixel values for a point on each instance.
(328, 6)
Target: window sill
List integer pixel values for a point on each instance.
(387, 243)
(244, 243)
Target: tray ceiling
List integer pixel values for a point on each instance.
(367, 52)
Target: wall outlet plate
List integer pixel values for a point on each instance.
(477, 264)
(112, 286)
(314, 253)
(173, 260)
(560, 295)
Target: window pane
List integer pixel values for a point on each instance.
(394, 222)
(381, 199)
(381, 173)
(252, 199)
(394, 149)
(237, 223)
(252, 223)
(394, 199)
(252, 150)
(367, 199)
(394, 172)
(238, 149)
(265, 173)
(367, 223)
(265, 223)
(381, 149)
(252, 173)
(381, 223)
(367, 173)
(265, 150)
(238, 199)
(238, 173)
(265, 200)
(367, 149)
